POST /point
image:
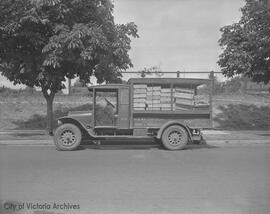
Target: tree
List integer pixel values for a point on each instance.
(42, 42)
(246, 44)
(152, 70)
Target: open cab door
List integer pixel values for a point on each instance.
(111, 110)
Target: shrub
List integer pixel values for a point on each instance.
(243, 117)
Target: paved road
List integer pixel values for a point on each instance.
(126, 179)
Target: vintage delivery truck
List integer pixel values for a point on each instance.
(171, 111)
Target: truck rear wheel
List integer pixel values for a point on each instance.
(174, 137)
(67, 137)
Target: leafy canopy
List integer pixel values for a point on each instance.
(44, 41)
(246, 44)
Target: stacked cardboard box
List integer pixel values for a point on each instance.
(139, 97)
(149, 97)
(153, 98)
(184, 98)
(165, 99)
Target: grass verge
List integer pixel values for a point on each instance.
(243, 117)
(37, 121)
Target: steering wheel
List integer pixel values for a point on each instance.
(109, 102)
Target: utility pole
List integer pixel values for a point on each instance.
(212, 78)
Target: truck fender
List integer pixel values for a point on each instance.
(78, 124)
(170, 123)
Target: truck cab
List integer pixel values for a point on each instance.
(163, 109)
(111, 112)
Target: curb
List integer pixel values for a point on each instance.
(229, 143)
(27, 142)
(36, 131)
(217, 143)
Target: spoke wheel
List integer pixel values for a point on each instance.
(67, 137)
(174, 137)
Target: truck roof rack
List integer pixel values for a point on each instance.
(107, 86)
(190, 82)
(167, 81)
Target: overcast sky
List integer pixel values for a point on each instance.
(176, 34)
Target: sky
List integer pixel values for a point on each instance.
(175, 34)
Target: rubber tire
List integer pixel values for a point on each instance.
(59, 131)
(165, 137)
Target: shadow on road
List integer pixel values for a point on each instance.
(138, 146)
(200, 146)
(266, 134)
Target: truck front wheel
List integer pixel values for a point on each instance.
(67, 137)
(174, 137)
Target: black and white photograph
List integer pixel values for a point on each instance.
(134, 106)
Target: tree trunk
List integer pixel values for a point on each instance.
(49, 127)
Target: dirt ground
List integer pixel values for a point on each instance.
(22, 108)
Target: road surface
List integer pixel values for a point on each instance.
(145, 179)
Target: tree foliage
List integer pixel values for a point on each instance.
(150, 71)
(42, 42)
(246, 44)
